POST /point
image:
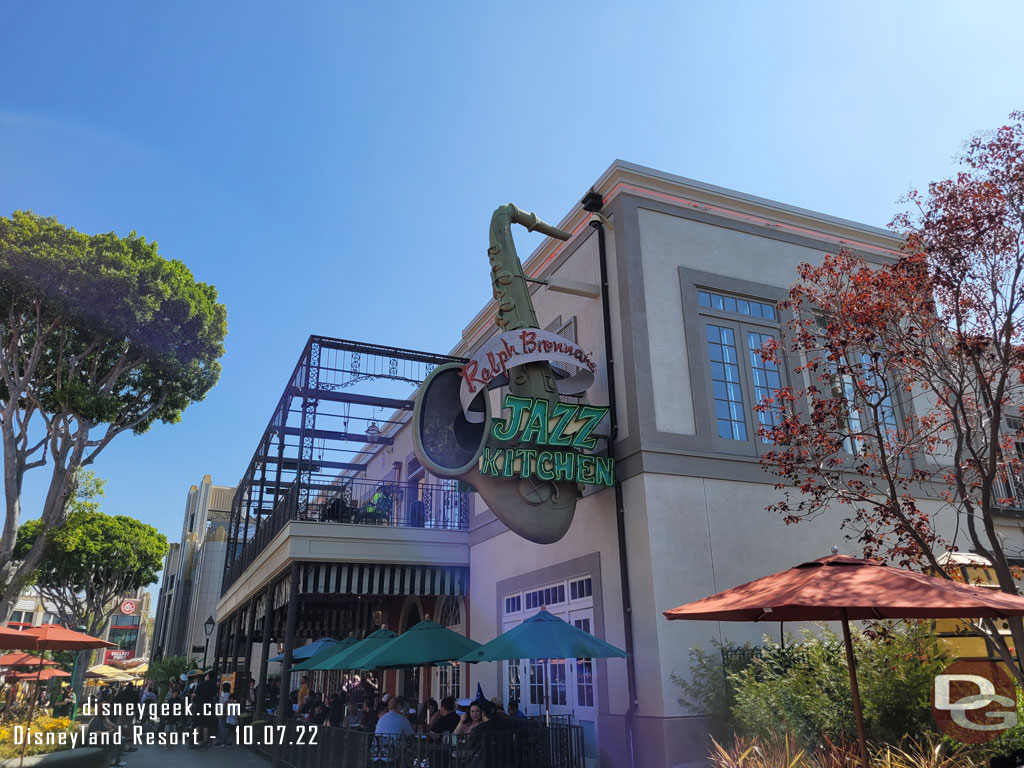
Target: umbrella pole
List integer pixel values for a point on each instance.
(851, 664)
(31, 710)
(547, 701)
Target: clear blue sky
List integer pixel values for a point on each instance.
(331, 167)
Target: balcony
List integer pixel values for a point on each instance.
(1009, 492)
(354, 503)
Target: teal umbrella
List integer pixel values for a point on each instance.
(349, 656)
(425, 643)
(325, 653)
(306, 651)
(544, 637)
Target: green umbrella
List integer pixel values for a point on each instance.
(348, 657)
(325, 653)
(425, 643)
(544, 637)
(308, 651)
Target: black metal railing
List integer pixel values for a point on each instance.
(407, 505)
(1008, 491)
(355, 501)
(523, 744)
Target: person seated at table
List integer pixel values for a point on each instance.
(355, 717)
(336, 711)
(447, 719)
(428, 715)
(318, 714)
(513, 710)
(486, 740)
(394, 722)
(371, 715)
(379, 505)
(473, 718)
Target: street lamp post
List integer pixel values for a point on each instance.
(208, 626)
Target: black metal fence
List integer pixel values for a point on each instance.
(408, 505)
(526, 744)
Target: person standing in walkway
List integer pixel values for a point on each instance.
(203, 700)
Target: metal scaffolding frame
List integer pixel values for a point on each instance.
(335, 411)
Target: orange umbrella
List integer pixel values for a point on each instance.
(24, 660)
(839, 588)
(46, 674)
(53, 637)
(12, 639)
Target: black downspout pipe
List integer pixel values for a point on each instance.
(594, 203)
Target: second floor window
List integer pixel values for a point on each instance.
(735, 331)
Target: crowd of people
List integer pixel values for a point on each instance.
(356, 703)
(207, 725)
(353, 705)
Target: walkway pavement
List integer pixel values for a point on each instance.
(183, 757)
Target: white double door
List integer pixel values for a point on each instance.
(570, 684)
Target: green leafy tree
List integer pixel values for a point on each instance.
(167, 669)
(99, 335)
(92, 559)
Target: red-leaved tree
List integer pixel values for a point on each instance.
(909, 389)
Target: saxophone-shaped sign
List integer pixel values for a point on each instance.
(528, 466)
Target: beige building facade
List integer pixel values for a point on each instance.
(193, 569)
(695, 274)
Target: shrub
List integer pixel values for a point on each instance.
(9, 749)
(784, 751)
(804, 688)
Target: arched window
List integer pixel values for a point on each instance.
(451, 615)
(449, 677)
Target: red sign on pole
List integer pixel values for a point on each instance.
(128, 607)
(116, 654)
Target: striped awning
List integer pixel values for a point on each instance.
(371, 579)
(382, 579)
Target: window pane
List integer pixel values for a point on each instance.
(730, 304)
(768, 311)
(765, 376)
(744, 306)
(717, 301)
(725, 378)
(704, 298)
